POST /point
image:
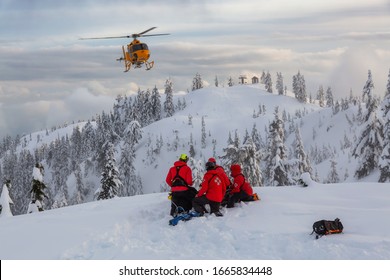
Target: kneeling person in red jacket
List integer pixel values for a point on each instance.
(241, 189)
(211, 191)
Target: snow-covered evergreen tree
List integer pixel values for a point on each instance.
(197, 82)
(203, 134)
(81, 190)
(5, 200)
(155, 102)
(60, 172)
(37, 190)
(384, 160)
(279, 83)
(299, 88)
(268, 82)
(303, 161)
(230, 82)
(333, 176)
(132, 185)
(231, 152)
(277, 169)
(329, 97)
(198, 170)
(249, 158)
(368, 90)
(110, 182)
(321, 96)
(169, 107)
(370, 144)
(256, 138)
(263, 77)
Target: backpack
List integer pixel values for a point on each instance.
(178, 180)
(324, 227)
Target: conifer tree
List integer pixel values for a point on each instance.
(230, 82)
(60, 172)
(192, 149)
(5, 200)
(231, 152)
(256, 138)
(329, 97)
(368, 90)
(203, 133)
(279, 83)
(37, 190)
(303, 161)
(198, 171)
(268, 82)
(321, 96)
(155, 102)
(110, 182)
(370, 144)
(384, 160)
(277, 167)
(81, 190)
(132, 185)
(169, 107)
(263, 77)
(333, 176)
(249, 158)
(299, 88)
(197, 82)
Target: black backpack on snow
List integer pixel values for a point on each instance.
(324, 227)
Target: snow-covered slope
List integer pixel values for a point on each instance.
(224, 111)
(326, 136)
(276, 228)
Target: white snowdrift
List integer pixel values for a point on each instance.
(276, 228)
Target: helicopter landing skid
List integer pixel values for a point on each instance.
(149, 65)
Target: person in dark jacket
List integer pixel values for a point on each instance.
(211, 191)
(241, 189)
(179, 178)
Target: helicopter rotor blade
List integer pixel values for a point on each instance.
(112, 37)
(143, 32)
(150, 35)
(134, 36)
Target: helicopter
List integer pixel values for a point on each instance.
(136, 53)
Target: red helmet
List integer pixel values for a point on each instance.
(212, 160)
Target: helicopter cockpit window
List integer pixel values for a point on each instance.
(139, 47)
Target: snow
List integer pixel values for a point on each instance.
(37, 175)
(277, 227)
(5, 202)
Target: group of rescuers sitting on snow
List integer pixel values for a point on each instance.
(216, 189)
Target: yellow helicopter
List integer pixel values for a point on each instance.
(136, 53)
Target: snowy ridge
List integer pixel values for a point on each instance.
(276, 227)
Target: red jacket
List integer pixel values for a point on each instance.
(225, 179)
(212, 186)
(239, 183)
(179, 176)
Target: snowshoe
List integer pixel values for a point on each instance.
(183, 217)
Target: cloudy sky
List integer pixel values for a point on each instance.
(48, 76)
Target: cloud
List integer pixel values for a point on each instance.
(350, 73)
(26, 117)
(45, 71)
